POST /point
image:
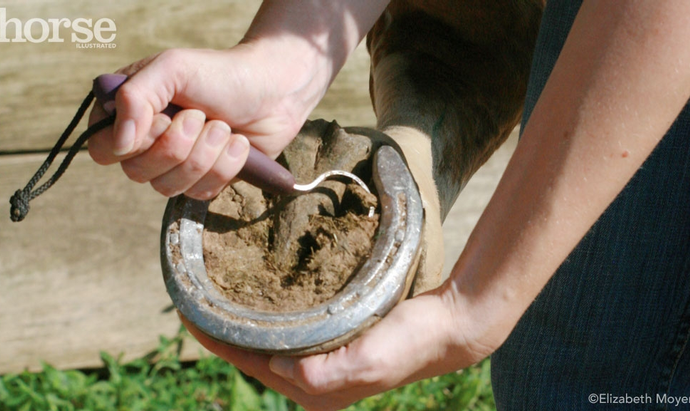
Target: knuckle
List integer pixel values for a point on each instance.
(195, 166)
(133, 172)
(173, 148)
(163, 189)
(313, 382)
(128, 93)
(372, 366)
(174, 154)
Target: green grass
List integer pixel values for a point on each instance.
(161, 382)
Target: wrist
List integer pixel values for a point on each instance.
(482, 321)
(304, 44)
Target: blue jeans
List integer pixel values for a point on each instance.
(610, 330)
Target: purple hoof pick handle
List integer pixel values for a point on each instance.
(259, 170)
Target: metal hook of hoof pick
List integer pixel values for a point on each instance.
(259, 170)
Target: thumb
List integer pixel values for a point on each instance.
(148, 91)
(410, 343)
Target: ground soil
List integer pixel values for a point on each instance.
(258, 260)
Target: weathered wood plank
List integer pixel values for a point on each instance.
(81, 274)
(42, 84)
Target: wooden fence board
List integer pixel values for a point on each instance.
(42, 84)
(81, 274)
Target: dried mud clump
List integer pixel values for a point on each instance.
(287, 254)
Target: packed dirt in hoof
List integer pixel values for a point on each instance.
(258, 257)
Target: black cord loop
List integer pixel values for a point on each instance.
(20, 200)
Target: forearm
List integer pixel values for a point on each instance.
(306, 43)
(621, 79)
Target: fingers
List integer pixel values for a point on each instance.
(99, 146)
(244, 360)
(142, 96)
(217, 156)
(200, 162)
(207, 148)
(137, 103)
(137, 124)
(169, 150)
(408, 344)
(184, 155)
(256, 365)
(228, 164)
(101, 143)
(253, 364)
(192, 156)
(135, 111)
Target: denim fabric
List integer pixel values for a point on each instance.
(614, 320)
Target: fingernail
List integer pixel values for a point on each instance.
(218, 134)
(238, 146)
(192, 124)
(125, 143)
(283, 366)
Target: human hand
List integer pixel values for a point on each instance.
(420, 338)
(230, 97)
(261, 90)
